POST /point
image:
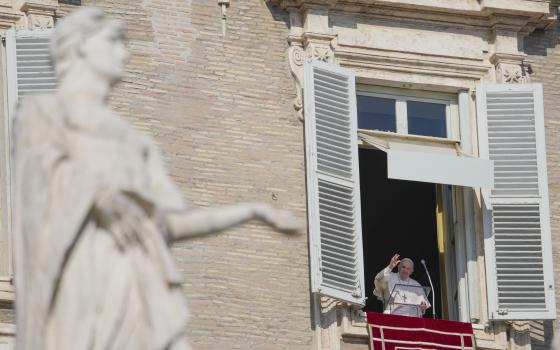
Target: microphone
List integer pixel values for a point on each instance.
(431, 285)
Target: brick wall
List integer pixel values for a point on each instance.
(543, 47)
(221, 110)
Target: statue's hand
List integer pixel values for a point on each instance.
(282, 220)
(119, 215)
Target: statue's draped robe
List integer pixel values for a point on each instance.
(76, 288)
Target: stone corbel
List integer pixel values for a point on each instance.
(298, 52)
(40, 14)
(309, 38)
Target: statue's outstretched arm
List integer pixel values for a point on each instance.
(201, 222)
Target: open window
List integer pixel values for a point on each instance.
(335, 196)
(412, 201)
(416, 190)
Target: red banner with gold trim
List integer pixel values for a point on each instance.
(393, 332)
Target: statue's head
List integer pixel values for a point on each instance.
(88, 36)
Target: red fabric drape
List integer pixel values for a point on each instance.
(393, 332)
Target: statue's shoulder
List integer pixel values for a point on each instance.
(37, 119)
(44, 107)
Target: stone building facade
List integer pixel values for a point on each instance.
(222, 94)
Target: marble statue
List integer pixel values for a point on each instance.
(95, 211)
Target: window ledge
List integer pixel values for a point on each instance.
(7, 329)
(391, 135)
(7, 293)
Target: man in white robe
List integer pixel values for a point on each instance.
(409, 298)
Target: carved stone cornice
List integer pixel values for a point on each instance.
(494, 30)
(40, 14)
(8, 17)
(302, 3)
(531, 14)
(377, 60)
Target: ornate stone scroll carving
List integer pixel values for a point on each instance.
(309, 38)
(507, 73)
(296, 57)
(512, 70)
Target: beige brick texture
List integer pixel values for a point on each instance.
(221, 111)
(543, 47)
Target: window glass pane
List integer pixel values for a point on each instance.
(376, 113)
(426, 119)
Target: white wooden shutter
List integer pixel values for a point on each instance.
(333, 182)
(29, 65)
(29, 70)
(517, 225)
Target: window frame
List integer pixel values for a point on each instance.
(401, 96)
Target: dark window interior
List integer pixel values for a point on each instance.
(397, 217)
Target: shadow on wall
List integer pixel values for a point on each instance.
(541, 336)
(540, 40)
(70, 2)
(278, 14)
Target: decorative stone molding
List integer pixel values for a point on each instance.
(40, 14)
(315, 32)
(533, 14)
(510, 73)
(499, 26)
(8, 17)
(6, 291)
(519, 335)
(511, 69)
(309, 38)
(508, 56)
(298, 52)
(339, 320)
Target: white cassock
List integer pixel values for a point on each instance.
(409, 291)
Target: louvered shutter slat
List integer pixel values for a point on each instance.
(30, 69)
(35, 72)
(333, 182)
(518, 255)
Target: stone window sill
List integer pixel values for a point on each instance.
(7, 293)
